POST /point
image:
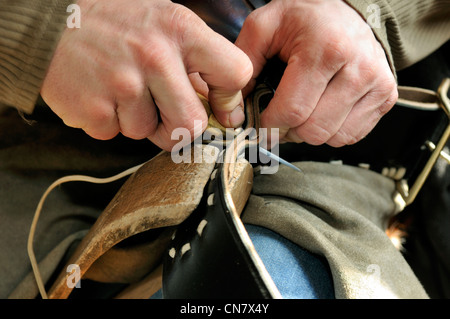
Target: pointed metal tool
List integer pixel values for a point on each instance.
(278, 159)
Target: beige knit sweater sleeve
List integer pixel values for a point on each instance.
(29, 32)
(409, 30)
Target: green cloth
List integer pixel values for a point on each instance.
(339, 212)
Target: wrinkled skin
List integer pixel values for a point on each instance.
(135, 67)
(337, 83)
(131, 60)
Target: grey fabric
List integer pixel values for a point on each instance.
(339, 212)
(27, 289)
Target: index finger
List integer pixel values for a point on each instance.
(224, 67)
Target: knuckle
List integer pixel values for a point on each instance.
(242, 74)
(253, 22)
(195, 122)
(314, 134)
(385, 79)
(128, 85)
(391, 88)
(393, 97)
(292, 115)
(191, 123)
(155, 57)
(102, 115)
(386, 94)
(349, 139)
(181, 135)
(106, 135)
(356, 84)
(184, 24)
(195, 129)
(389, 102)
(135, 135)
(101, 133)
(368, 70)
(102, 122)
(139, 131)
(181, 17)
(342, 138)
(337, 50)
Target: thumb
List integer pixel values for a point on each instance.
(228, 107)
(225, 69)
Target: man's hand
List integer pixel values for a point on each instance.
(337, 83)
(127, 69)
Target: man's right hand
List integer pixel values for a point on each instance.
(127, 69)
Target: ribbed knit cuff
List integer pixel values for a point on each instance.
(408, 30)
(29, 33)
(364, 8)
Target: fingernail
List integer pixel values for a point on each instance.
(237, 117)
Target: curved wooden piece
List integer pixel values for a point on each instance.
(161, 193)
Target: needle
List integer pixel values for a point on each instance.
(278, 159)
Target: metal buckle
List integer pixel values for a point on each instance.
(407, 193)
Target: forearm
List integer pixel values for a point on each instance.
(29, 32)
(408, 30)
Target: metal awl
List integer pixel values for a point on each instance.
(278, 159)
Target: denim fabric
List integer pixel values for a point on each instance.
(297, 273)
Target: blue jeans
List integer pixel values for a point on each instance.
(297, 273)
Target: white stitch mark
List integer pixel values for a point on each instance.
(337, 162)
(210, 200)
(392, 172)
(201, 226)
(400, 173)
(364, 165)
(172, 252)
(185, 248)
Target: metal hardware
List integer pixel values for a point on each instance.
(410, 193)
(442, 154)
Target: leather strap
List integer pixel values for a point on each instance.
(211, 255)
(214, 237)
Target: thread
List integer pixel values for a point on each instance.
(60, 181)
